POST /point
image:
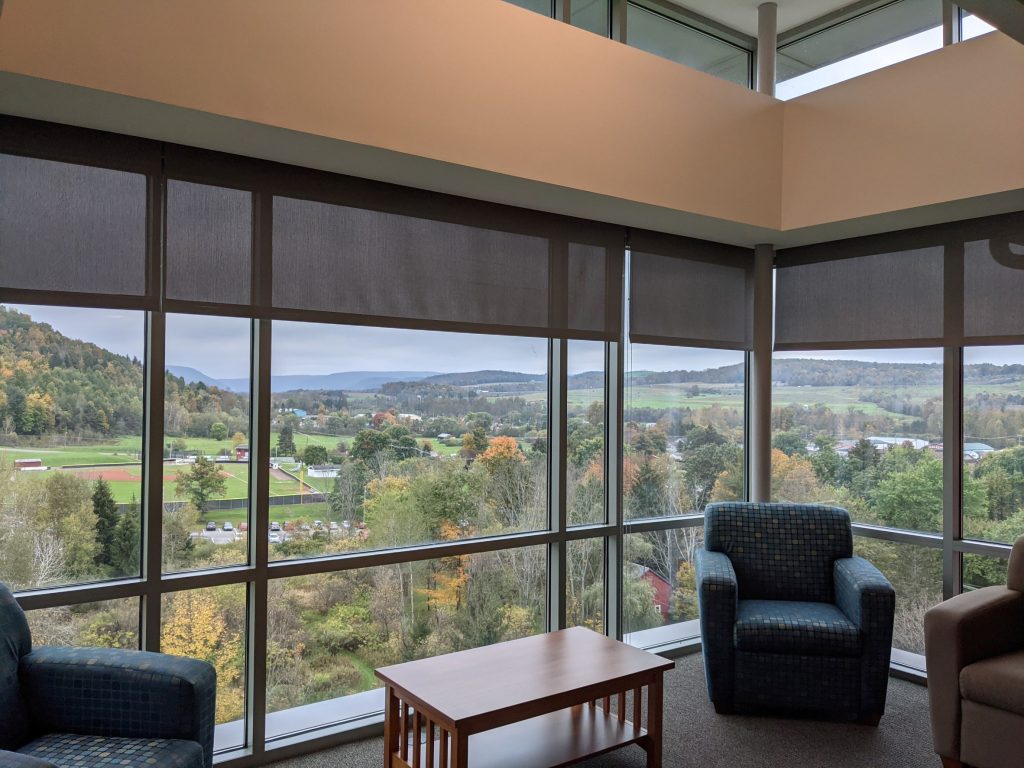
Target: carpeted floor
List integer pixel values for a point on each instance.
(696, 736)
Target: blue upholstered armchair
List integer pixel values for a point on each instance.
(97, 707)
(790, 620)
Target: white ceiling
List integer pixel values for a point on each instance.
(742, 14)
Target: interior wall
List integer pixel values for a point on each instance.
(938, 128)
(485, 99)
(477, 83)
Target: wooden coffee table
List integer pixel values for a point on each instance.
(529, 703)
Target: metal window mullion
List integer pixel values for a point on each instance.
(151, 546)
(952, 470)
(259, 503)
(618, 25)
(558, 356)
(415, 554)
(759, 378)
(152, 481)
(614, 513)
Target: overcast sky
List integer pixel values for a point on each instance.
(219, 347)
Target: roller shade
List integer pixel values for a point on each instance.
(408, 258)
(688, 292)
(994, 280)
(957, 283)
(71, 228)
(209, 243)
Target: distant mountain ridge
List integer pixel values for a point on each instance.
(355, 381)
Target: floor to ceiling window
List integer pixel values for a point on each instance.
(302, 426)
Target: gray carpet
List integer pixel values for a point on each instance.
(696, 736)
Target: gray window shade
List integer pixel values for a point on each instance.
(378, 266)
(688, 292)
(994, 281)
(209, 243)
(66, 227)
(875, 299)
(948, 284)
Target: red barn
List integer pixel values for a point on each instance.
(241, 452)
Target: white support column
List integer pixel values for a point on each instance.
(767, 39)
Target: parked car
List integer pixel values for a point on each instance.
(211, 526)
(275, 526)
(228, 526)
(275, 537)
(333, 526)
(318, 524)
(243, 527)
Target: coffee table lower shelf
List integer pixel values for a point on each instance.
(553, 740)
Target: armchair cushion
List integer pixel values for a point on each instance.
(107, 692)
(15, 642)
(780, 551)
(74, 750)
(785, 626)
(997, 682)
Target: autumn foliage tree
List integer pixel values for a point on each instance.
(196, 627)
(200, 482)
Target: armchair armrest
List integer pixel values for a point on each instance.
(865, 596)
(960, 631)
(717, 596)
(18, 760)
(869, 601)
(107, 692)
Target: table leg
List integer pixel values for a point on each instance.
(391, 739)
(460, 750)
(654, 705)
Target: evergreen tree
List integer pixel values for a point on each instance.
(286, 441)
(124, 543)
(107, 518)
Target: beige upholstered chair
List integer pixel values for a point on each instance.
(975, 648)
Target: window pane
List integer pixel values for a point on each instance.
(592, 15)
(585, 485)
(669, 39)
(70, 452)
(659, 593)
(972, 26)
(993, 491)
(861, 430)
(209, 624)
(916, 575)
(386, 438)
(327, 633)
(206, 450)
(981, 571)
(893, 33)
(584, 584)
(683, 436)
(106, 624)
(538, 6)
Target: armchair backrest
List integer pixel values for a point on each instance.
(15, 642)
(1015, 570)
(780, 551)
